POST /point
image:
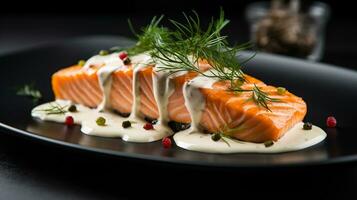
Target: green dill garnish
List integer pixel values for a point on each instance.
(261, 98)
(184, 47)
(150, 33)
(29, 91)
(182, 50)
(189, 44)
(223, 138)
(225, 133)
(54, 109)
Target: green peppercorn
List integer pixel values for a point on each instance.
(126, 124)
(281, 90)
(307, 126)
(127, 61)
(269, 143)
(100, 121)
(216, 136)
(103, 52)
(72, 108)
(81, 62)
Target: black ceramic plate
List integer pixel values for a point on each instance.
(328, 90)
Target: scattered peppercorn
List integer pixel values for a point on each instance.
(100, 121)
(307, 126)
(166, 142)
(72, 108)
(123, 55)
(69, 121)
(269, 143)
(150, 120)
(126, 124)
(148, 126)
(216, 136)
(281, 90)
(81, 62)
(331, 122)
(103, 52)
(176, 126)
(122, 114)
(127, 61)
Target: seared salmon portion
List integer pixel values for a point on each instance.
(240, 116)
(236, 113)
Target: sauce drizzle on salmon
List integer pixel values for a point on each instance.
(220, 107)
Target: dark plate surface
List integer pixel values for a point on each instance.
(328, 90)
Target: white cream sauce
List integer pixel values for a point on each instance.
(139, 63)
(107, 60)
(194, 101)
(105, 83)
(163, 87)
(191, 139)
(295, 139)
(113, 126)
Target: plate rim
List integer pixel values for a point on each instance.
(160, 159)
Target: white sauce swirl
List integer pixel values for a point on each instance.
(86, 117)
(294, 139)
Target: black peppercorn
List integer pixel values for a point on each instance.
(216, 136)
(176, 126)
(268, 143)
(126, 124)
(307, 126)
(127, 61)
(72, 108)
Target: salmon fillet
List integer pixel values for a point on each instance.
(223, 109)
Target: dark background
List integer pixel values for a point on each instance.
(28, 23)
(34, 170)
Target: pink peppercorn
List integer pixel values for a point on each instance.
(166, 142)
(331, 122)
(69, 121)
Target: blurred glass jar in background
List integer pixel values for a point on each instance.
(289, 29)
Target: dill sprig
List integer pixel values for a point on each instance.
(260, 97)
(186, 46)
(225, 133)
(29, 90)
(182, 50)
(55, 109)
(223, 138)
(148, 34)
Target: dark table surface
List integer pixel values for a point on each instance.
(34, 170)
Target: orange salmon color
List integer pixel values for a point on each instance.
(223, 109)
